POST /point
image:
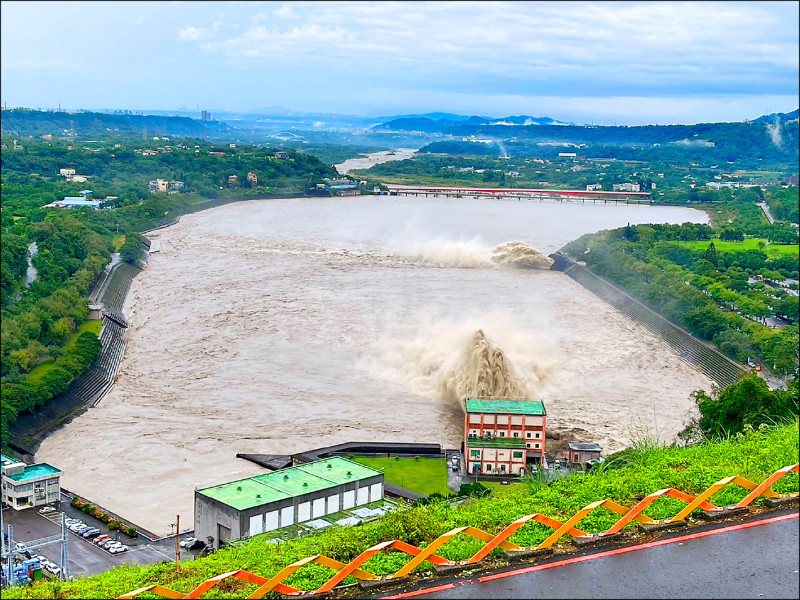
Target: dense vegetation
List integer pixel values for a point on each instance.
(749, 403)
(644, 468)
(719, 295)
(41, 351)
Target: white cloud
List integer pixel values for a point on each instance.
(193, 34)
(285, 12)
(630, 44)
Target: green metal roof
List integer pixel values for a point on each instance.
(286, 483)
(243, 494)
(294, 482)
(496, 443)
(338, 470)
(511, 407)
(34, 472)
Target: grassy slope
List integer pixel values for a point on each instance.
(39, 371)
(747, 244)
(426, 475)
(753, 455)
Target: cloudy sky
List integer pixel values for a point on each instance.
(602, 62)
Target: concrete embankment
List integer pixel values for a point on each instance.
(88, 389)
(715, 365)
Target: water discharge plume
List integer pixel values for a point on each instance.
(475, 254)
(482, 372)
(521, 256)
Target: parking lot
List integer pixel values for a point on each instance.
(85, 558)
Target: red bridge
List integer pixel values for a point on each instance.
(519, 193)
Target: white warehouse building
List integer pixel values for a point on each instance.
(247, 507)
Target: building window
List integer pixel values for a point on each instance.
(538, 435)
(527, 445)
(576, 458)
(502, 433)
(488, 468)
(537, 445)
(516, 434)
(502, 468)
(517, 454)
(475, 453)
(527, 434)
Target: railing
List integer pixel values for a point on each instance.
(493, 542)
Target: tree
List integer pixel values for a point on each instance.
(711, 254)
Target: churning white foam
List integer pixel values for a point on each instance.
(474, 253)
(489, 355)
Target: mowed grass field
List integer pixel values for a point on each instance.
(38, 372)
(426, 475)
(747, 244)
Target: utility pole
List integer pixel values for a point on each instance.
(64, 549)
(177, 542)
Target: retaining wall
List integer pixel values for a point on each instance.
(710, 361)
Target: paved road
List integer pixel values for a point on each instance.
(748, 560)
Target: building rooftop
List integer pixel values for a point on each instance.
(286, 483)
(511, 407)
(243, 494)
(582, 447)
(34, 472)
(338, 470)
(5, 460)
(499, 442)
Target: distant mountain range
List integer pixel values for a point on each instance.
(771, 118)
(34, 122)
(430, 124)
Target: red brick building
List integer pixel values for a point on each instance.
(503, 436)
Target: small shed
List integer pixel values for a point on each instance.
(580, 453)
(95, 312)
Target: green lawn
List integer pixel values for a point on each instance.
(426, 475)
(747, 244)
(35, 374)
(117, 241)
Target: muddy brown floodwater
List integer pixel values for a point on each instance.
(278, 326)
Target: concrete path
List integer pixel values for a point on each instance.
(765, 208)
(752, 559)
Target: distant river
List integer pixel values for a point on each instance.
(278, 326)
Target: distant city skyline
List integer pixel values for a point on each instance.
(602, 62)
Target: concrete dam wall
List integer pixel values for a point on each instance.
(715, 365)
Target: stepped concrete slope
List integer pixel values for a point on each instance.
(712, 363)
(88, 389)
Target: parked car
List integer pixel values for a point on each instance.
(185, 542)
(118, 549)
(79, 528)
(91, 533)
(70, 521)
(47, 509)
(101, 538)
(194, 544)
(106, 543)
(53, 568)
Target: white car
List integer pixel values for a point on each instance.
(118, 548)
(53, 568)
(70, 521)
(47, 509)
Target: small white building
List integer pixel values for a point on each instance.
(26, 486)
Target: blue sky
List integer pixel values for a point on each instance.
(602, 62)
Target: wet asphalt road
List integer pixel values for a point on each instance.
(755, 562)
